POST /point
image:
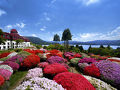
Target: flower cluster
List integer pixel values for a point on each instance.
(12, 54)
(113, 60)
(56, 59)
(30, 51)
(36, 72)
(23, 54)
(73, 81)
(5, 73)
(87, 60)
(43, 64)
(74, 61)
(17, 58)
(109, 71)
(68, 55)
(65, 65)
(82, 65)
(37, 83)
(6, 67)
(13, 65)
(54, 69)
(2, 80)
(2, 55)
(92, 70)
(77, 55)
(98, 84)
(31, 61)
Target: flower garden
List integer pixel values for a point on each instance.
(51, 70)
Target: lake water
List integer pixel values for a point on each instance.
(85, 47)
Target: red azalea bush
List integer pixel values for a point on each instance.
(43, 64)
(102, 58)
(31, 61)
(30, 51)
(92, 70)
(13, 65)
(5, 73)
(53, 54)
(77, 55)
(54, 69)
(114, 60)
(65, 65)
(2, 80)
(73, 81)
(2, 55)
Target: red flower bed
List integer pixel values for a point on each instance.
(92, 71)
(54, 69)
(43, 64)
(54, 51)
(53, 54)
(31, 61)
(2, 80)
(113, 60)
(73, 81)
(77, 55)
(2, 55)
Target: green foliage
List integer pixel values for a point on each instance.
(74, 61)
(74, 49)
(1, 32)
(101, 46)
(4, 59)
(81, 48)
(55, 46)
(56, 37)
(38, 46)
(24, 53)
(18, 50)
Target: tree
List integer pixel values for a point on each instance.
(89, 49)
(56, 37)
(18, 41)
(1, 38)
(66, 36)
(101, 46)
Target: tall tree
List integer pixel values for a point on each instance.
(66, 36)
(56, 37)
(1, 38)
(18, 41)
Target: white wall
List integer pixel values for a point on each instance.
(7, 45)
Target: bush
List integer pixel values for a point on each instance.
(109, 72)
(35, 72)
(74, 61)
(43, 64)
(73, 81)
(92, 70)
(31, 61)
(37, 83)
(54, 69)
(2, 80)
(74, 49)
(5, 73)
(87, 60)
(17, 50)
(2, 55)
(56, 59)
(6, 67)
(13, 65)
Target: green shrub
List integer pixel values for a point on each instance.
(74, 61)
(74, 49)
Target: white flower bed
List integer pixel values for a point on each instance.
(7, 68)
(98, 84)
(36, 72)
(37, 83)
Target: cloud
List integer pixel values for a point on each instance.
(2, 12)
(43, 28)
(113, 35)
(88, 2)
(9, 27)
(48, 19)
(34, 35)
(46, 16)
(20, 25)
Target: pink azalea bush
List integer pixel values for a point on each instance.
(5, 73)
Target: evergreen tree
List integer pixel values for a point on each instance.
(89, 49)
(66, 36)
(101, 46)
(81, 48)
(108, 47)
(1, 38)
(56, 37)
(18, 41)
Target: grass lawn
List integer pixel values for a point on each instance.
(16, 78)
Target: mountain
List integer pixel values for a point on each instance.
(37, 40)
(96, 42)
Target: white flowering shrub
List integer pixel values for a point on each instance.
(37, 83)
(6, 67)
(12, 54)
(99, 84)
(36, 72)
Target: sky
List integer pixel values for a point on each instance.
(87, 20)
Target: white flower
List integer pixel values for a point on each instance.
(7, 68)
(12, 54)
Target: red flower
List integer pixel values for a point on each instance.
(2, 55)
(114, 60)
(77, 55)
(2, 80)
(31, 61)
(54, 69)
(73, 81)
(92, 71)
(71, 57)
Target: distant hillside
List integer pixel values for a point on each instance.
(37, 40)
(96, 42)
